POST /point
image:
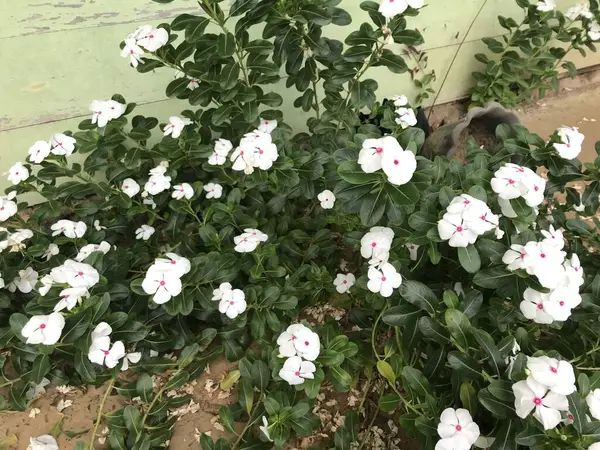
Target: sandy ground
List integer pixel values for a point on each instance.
(574, 105)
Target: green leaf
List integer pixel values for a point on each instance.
(492, 278)
(177, 87)
(401, 314)
(363, 93)
(227, 78)
(468, 398)
(259, 47)
(532, 436)
(486, 342)
(459, 326)
(133, 420)
(226, 44)
(340, 17)
(222, 114)
(245, 393)
(386, 371)
(419, 295)
(505, 437)
(195, 31)
(41, 366)
(464, 364)
(469, 258)
(432, 330)
(577, 407)
(143, 387)
(404, 195)
(261, 375)
(176, 381)
(351, 172)
(389, 402)
(498, 408)
(315, 14)
(502, 390)
(395, 63)
(331, 358)
(416, 380)
(372, 209)
(84, 367)
(471, 303)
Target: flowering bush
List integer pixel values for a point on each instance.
(533, 51)
(470, 291)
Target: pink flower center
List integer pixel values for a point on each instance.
(459, 229)
(576, 269)
(306, 343)
(345, 282)
(521, 170)
(293, 338)
(232, 303)
(571, 416)
(125, 187)
(568, 145)
(131, 52)
(242, 153)
(151, 36)
(553, 370)
(374, 244)
(466, 202)
(297, 373)
(543, 255)
(80, 274)
(383, 278)
(106, 352)
(482, 217)
(537, 401)
(522, 255)
(42, 326)
(458, 428)
(540, 306)
(267, 122)
(260, 152)
(379, 150)
(535, 188)
(511, 181)
(173, 261)
(396, 162)
(162, 283)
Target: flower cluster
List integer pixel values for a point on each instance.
(571, 141)
(545, 390)
(163, 278)
(456, 430)
(15, 240)
(232, 302)
(249, 240)
(59, 144)
(145, 37)
(391, 8)
(300, 345)
(105, 111)
(547, 262)
(406, 115)
(466, 218)
(68, 228)
(512, 181)
(387, 154)
(375, 246)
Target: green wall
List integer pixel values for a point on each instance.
(57, 56)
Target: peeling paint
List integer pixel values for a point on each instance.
(81, 19)
(37, 87)
(68, 5)
(31, 17)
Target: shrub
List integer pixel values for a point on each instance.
(215, 240)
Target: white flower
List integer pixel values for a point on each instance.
(88, 249)
(554, 238)
(546, 263)
(144, 232)
(391, 8)
(101, 330)
(530, 395)
(174, 263)
(307, 344)
(157, 183)
(182, 190)
(406, 116)
(533, 306)
(97, 226)
(594, 32)
(150, 202)
(8, 208)
(213, 190)
(295, 370)
(221, 150)
(46, 283)
(580, 10)
(593, 402)
(130, 187)
(62, 144)
(151, 38)
(75, 274)
(232, 303)
(546, 5)
(267, 126)
(400, 100)
(458, 423)
(384, 280)
(105, 111)
(69, 228)
(176, 125)
(454, 229)
(39, 151)
(25, 282)
(498, 233)
(51, 251)
(412, 250)
(507, 209)
(44, 442)
(516, 258)
(562, 301)
(480, 219)
(458, 442)
(507, 181)
(574, 271)
(102, 353)
(163, 285)
(265, 429)
(327, 199)
(286, 339)
(377, 240)
(223, 290)
(343, 282)
(398, 164)
(70, 297)
(44, 329)
(243, 159)
(249, 240)
(372, 152)
(14, 240)
(594, 446)
(571, 142)
(132, 358)
(161, 169)
(558, 376)
(132, 51)
(265, 154)
(17, 173)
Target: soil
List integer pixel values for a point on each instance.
(574, 105)
(483, 135)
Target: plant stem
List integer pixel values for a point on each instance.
(454, 60)
(374, 332)
(246, 427)
(372, 421)
(100, 408)
(316, 105)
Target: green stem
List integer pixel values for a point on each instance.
(99, 415)
(374, 332)
(372, 421)
(246, 427)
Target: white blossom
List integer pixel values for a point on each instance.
(183, 190)
(17, 173)
(102, 353)
(51, 251)
(327, 199)
(87, 250)
(377, 243)
(398, 164)
(546, 5)
(295, 370)
(173, 263)
(44, 329)
(243, 159)
(593, 402)
(39, 151)
(75, 274)
(132, 51)
(213, 190)
(343, 282)
(151, 38)
(406, 116)
(70, 297)
(130, 187)
(534, 305)
(157, 184)
(573, 271)
(400, 100)
(163, 285)
(594, 31)
(144, 232)
(132, 358)
(264, 428)
(62, 144)
(249, 240)
(512, 181)
(287, 338)
(454, 229)
(105, 111)
(558, 376)
(553, 237)
(267, 126)
(372, 151)
(221, 150)
(570, 144)
(458, 423)
(233, 303)
(25, 282)
(176, 125)
(391, 8)
(69, 228)
(46, 283)
(578, 11)
(531, 395)
(384, 280)
(8, 208)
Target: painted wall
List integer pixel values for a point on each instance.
(57, 56)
